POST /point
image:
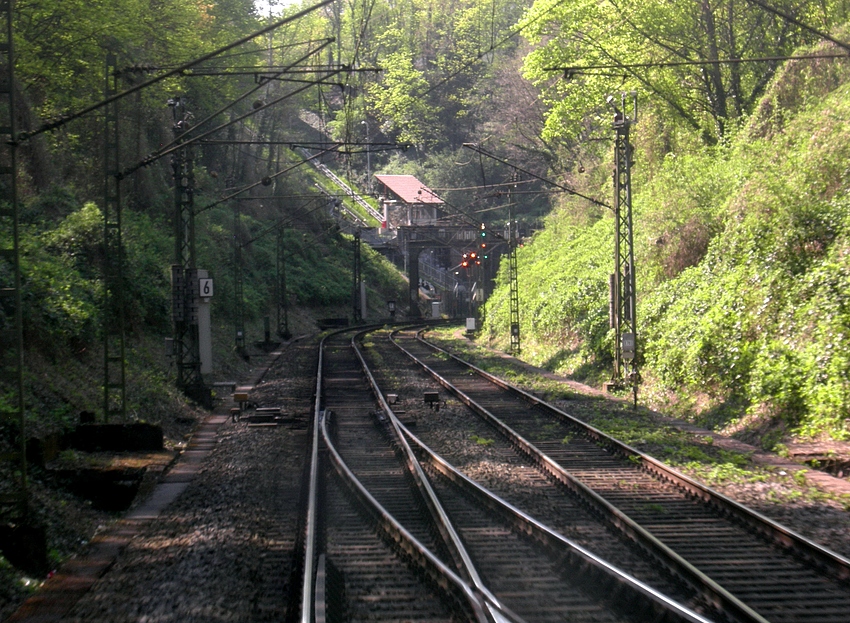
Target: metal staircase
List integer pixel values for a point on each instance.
(345, 187)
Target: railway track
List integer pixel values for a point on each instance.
(395, 532)
(364, 547)
(748, 567)
(398, 545)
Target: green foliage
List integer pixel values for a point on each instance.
(437, 61)
(709, 99)
(724, 473)
(147, 282)
(683, 208)
(742, 257)
(697, 329)
(771, 385)
(799, 477)
(54, 203)
(563, 318)
(58, 289)
(61, 45)
(407, 116)
(383, 280)
(78, 239)
(321, 276)
(763, 315)
(62, 270)
(742, 247)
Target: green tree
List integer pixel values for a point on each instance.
(436, 59)
(406, 116)
(676, 51)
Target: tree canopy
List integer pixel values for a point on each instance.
(705, 62)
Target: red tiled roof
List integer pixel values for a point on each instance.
(409, 189)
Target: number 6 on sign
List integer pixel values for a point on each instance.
(205, 286)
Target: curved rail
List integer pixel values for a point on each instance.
(485, 606)
(591, 564)
(450, 535)
(440, 573)
(406, 541)
(711, 590)
(307, 583)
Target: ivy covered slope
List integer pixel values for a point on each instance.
(743, 258)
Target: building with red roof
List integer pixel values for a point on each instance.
(407, 201)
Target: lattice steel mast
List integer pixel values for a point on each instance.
(513, 274)
(623, 305)
(14, 493)
(184, 274)
(114, 387)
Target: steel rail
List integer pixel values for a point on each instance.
(310, 554)
(307, 581)
(580, 557)
(442, 575)
(820, 557)
(703, 584)
(450, 536)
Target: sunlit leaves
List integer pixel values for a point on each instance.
(743, 258)
(675, 53)
(406, 115)
(435, 59)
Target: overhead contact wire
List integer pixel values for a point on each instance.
(186, 66)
